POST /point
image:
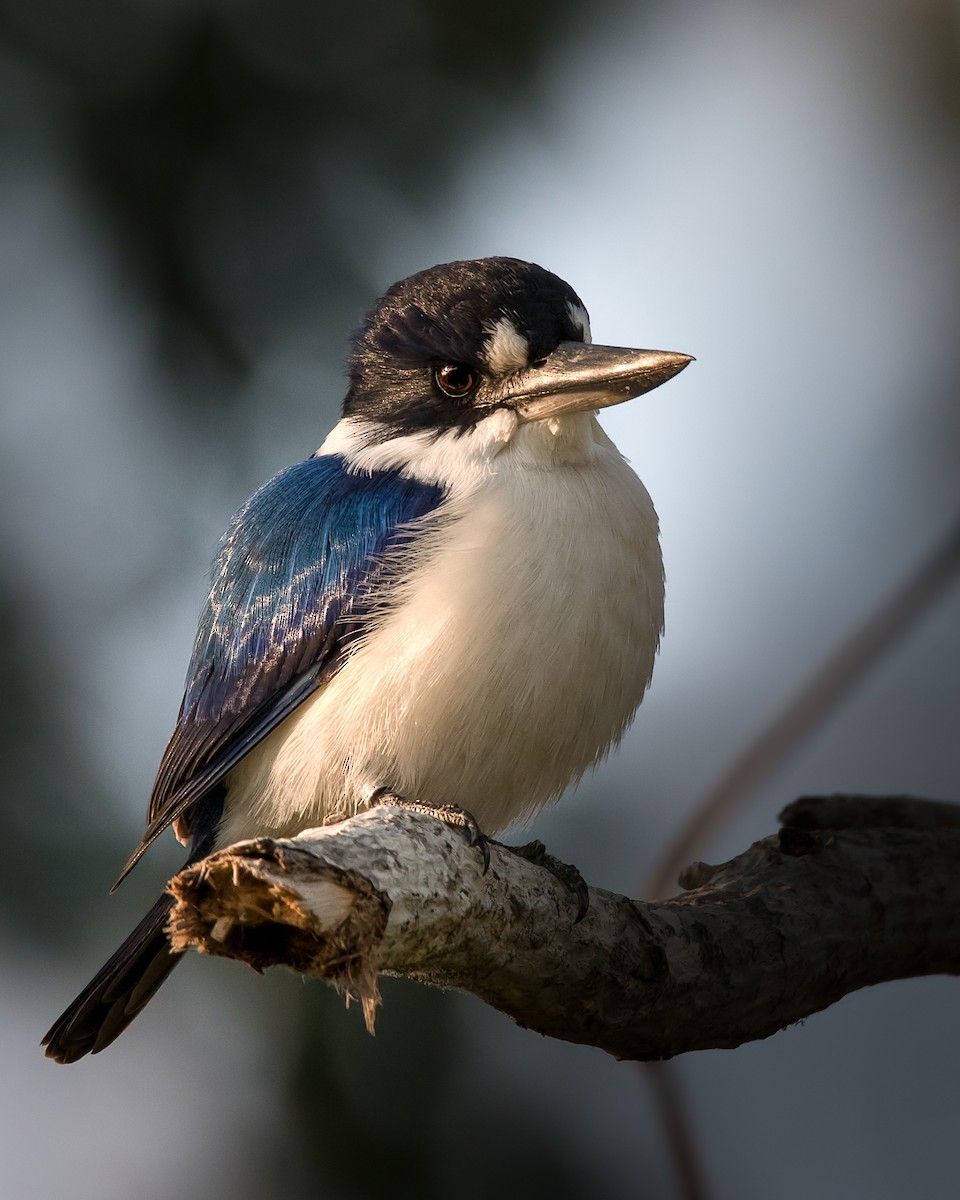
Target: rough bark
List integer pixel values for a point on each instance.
(852, 891)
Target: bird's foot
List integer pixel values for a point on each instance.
(449, 814)
(535, 852)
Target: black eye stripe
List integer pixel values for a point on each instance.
(442, 318)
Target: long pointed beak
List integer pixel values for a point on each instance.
(581, 378)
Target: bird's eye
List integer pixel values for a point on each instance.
(456, 379)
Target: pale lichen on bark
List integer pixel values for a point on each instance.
(852, 891)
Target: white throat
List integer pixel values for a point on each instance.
(498, 443)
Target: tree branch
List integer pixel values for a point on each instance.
(853, 891)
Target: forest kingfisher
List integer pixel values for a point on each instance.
(456, 600)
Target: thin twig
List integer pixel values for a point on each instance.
(796, 721)
(684, 1151)
(808, 709)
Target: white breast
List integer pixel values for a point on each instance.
(512, 660)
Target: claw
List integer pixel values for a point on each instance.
(475, 836)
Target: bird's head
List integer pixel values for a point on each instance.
(450, 346)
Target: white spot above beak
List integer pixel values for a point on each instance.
(506, 350)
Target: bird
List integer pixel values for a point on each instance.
(457, 600)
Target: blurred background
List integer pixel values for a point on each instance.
(198, 201)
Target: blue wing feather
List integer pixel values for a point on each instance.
(290, 589)
(289, 568)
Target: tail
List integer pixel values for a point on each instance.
(129, 978)
(118, 991)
